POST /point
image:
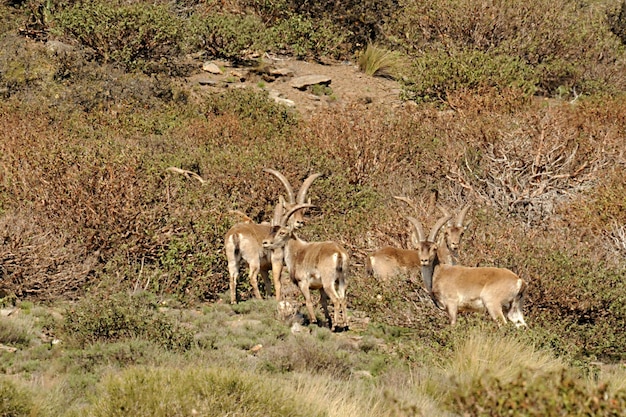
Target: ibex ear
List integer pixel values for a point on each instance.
(414, 240)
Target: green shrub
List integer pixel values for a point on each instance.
(123, 316)
(617, 21)
(13, 401)
(556, 394)
(353, 23)
(542, 35)
(133, 35)
(308, 38)
(437, 73)
(227, 36)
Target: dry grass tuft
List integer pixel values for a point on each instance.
(378, 61)
(502, 357)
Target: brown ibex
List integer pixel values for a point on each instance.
(455, 287)
(319, 266)
(389, 261)
(452, 233)
(244, 243)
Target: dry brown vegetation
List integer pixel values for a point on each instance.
(533, 133)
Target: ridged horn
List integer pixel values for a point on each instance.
(305, 187)
(285, 182)
(285, 218)
(418, 228)
(437, 226)
(461, 216)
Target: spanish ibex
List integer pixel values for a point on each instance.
(455, 287)
(319, 266)
(244, 242)
(389, 261)
(452, 233)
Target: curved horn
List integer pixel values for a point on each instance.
(418, 228)
(285, 182)
(278, 211)
(283, 220)
(444, 210)
(461, 216)
(437, 226)
(305, 187)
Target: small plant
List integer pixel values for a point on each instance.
(378, 61)
(321, 90)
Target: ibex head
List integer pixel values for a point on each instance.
(282, 231)
(292, 200)
(455, 228)
(427, 246)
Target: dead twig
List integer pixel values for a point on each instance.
(187, 174)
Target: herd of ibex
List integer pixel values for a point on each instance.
(324, 265)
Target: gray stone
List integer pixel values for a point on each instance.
(211, 67)
(281, 72)
(303, 82)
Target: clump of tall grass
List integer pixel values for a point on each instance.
(161, 392)
(503, 357)
(378, 61)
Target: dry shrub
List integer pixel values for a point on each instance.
(527, 162)
(39, 262)
(370, 144)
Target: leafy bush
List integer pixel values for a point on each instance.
(436, 73)
(123, 316)
(307, 37)
(558, 393)
(354, 23)
(233, 37)
(617, 22)
(537, 43)
(135, 36)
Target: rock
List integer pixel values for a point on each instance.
(303, 82)
(298, 328)
(285, 102)
(211, 67)
(276, 96)
(207, 81)
(281, 72)
(58, 47)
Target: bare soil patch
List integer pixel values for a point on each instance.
(348, 84)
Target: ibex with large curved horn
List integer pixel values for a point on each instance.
(389, 261)
(452, 233)
(455, 287)
(244, 243)
(319, 266)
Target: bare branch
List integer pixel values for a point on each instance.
(187, 174)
